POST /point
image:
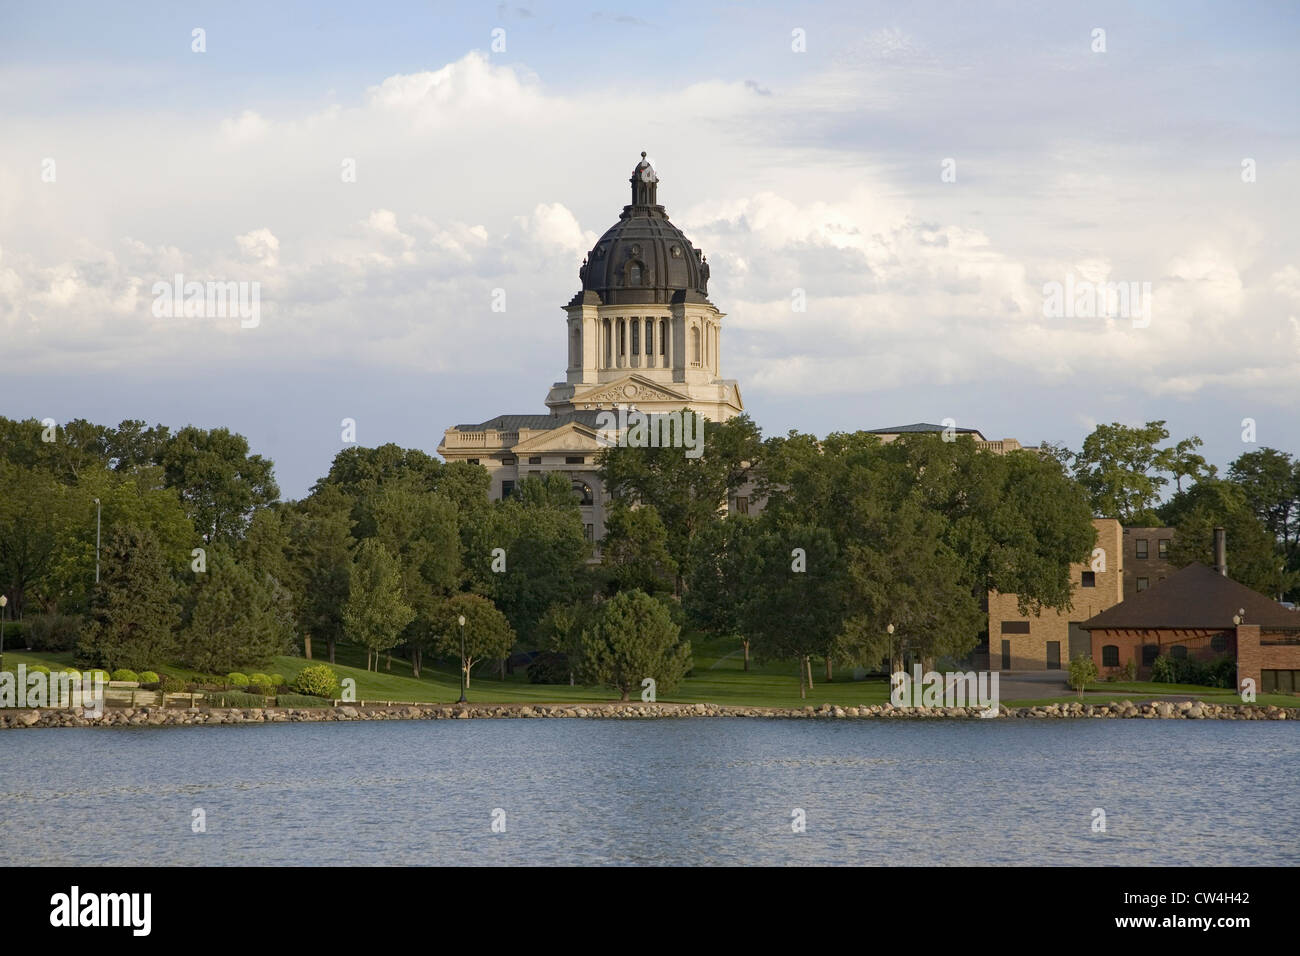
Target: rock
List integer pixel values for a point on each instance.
(350, 713)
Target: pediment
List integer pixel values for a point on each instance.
(628, 390)
(572, 437)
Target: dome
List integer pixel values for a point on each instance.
(644, 258)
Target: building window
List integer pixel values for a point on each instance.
(649, 340)
(575, 460)
(1178, 652)
(742, 505)
(589, 532)
(535, 460)
(507, 489)
(1006, 655)
(1162, 547)
(583, 491)
(473, 461)
(1089, 579)
(1141, 545)
(622, 337)
(575, 361)
(1015, 627)
(507, 461)
(634, 273)
(636, 336)
(1110, 655)
(1143, 583)
(608, 343)
(663, 336)
(1149, 654)
(695, 346)
(1219, 643)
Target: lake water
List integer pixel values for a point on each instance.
(696, 791)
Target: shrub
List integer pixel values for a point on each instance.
(18, 634)
(1163, 670)
(72, 670)
(54, 632)
(37, 669)
(236, 679)
(1083, 671)
(301, 700)
(100, 674)
(1130, 670)
(123, 673)
(148, 677)
(258, 684)
(258, 676)
(317, 680)
(277, 680)
(234, 698)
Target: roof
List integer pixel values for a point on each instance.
(921, 427)
(514, 423)
(1193, 597)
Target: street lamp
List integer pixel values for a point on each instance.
(890, 631)
(3, 601)
(462, 660)
(97, 509)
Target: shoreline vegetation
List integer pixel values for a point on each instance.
(157, 716)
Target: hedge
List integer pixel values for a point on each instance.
(233, 698)
(301, 700)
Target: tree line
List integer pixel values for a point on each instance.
(864, 551)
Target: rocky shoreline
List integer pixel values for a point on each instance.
(160, 717)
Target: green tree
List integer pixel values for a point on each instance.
(1083, 671)
(632, 637)
(487, 634)
(687, 493)
(1270, 481)
(376, 611)
(421, 529)
(718, 589)
(1120, 467)
(236, 619)
(635, 548)
(134, 611)
(219, 482)
(319, 531)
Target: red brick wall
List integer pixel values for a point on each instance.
(1130, 645)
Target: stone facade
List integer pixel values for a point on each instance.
(1050, 639)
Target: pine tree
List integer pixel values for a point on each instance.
(133, 610)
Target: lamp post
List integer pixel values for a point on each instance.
(462, 659)
(97, 510)
(890, 631)
(3, 601)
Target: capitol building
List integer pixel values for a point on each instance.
(641, 335)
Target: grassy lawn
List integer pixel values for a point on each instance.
(718, 678)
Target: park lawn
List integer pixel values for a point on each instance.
(717, 678)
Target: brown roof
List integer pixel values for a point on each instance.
(1193, 597)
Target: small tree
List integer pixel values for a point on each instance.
(1083, 671)
(631, 638)
(487, 633)
(376, 612)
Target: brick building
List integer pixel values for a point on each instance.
(1146, 558)
(1048, 641)
(1201, 613)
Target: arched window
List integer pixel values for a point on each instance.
(583, 491)
(1178, 652)
(663, 341)
(695, 345)
(1219, 643)
(1149, 654)
(1110, 655)
(649, 342)
(608, 343)
(636, 337)
(622, 342)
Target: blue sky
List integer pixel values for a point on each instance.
(482, 169)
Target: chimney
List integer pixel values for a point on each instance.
(1221, 551)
